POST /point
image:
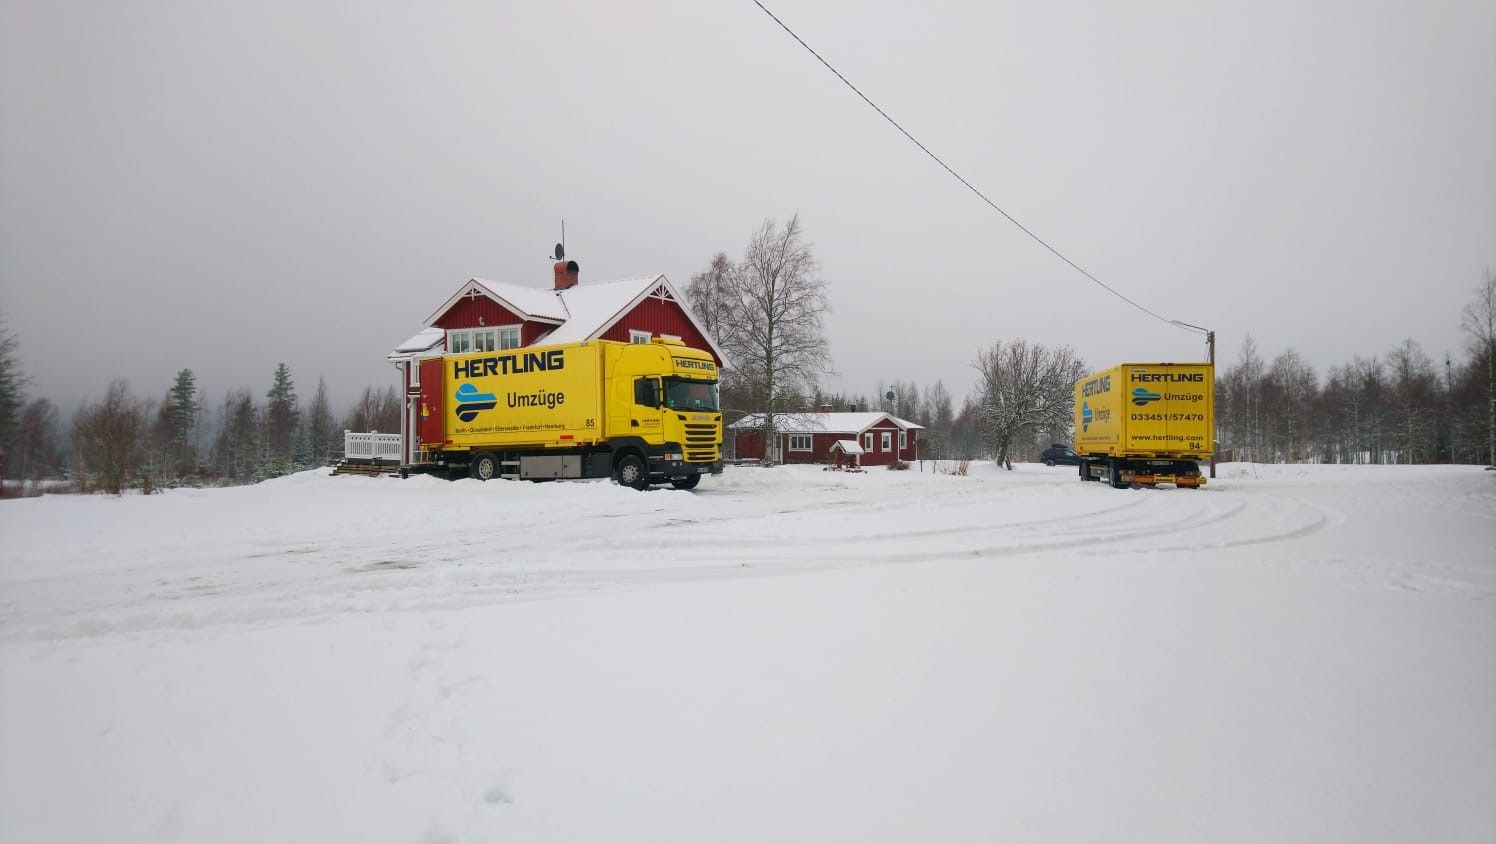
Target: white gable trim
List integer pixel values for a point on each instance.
(473, 289)
(663, 291)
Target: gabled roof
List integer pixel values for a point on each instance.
(581, 312)
(592, 309)
(528, 302)
(847, 447)
(822, 423)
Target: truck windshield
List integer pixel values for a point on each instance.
(682, 394)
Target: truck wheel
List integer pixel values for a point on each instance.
(485, 467)
(1084, 474)
(688, 482)
(1114, 475)
(631, 471)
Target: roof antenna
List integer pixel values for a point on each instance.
(561, 247)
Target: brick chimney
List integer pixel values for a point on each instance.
(567, 274)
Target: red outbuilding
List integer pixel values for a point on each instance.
(809, 437)
(492, 316)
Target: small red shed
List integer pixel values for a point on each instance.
(809, 437)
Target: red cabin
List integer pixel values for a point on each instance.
(809, 437)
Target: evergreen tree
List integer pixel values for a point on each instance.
(179, 416)
(36, 453)
(236, 448)
(281, 414)
(320, 428)
(12, 387)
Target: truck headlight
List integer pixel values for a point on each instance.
(674, 455)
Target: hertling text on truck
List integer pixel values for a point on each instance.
(1145, 423)
(640, 413)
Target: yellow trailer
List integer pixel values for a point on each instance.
(1146, 423)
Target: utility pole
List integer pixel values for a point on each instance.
(1210, 357)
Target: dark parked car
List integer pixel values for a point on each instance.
(1060, 454)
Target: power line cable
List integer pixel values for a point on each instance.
(969, 186)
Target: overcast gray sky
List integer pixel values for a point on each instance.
(226, 185)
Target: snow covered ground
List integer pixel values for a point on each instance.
(1295, 653)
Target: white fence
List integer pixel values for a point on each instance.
(371, 446)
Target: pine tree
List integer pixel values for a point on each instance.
(179, 414)
(281, 414)
(320, 428)
(12, 387)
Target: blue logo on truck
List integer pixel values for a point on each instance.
(1142, 395)
(470, 402)
(1085, 416)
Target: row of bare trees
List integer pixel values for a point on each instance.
(123, 441)
(1399, 407)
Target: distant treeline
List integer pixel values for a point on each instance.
(1399, 407)
(124, 441)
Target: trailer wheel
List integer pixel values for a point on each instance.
(1114, 475)
(1085, 473)
(485, 467)
(631, 471)
(688, 482)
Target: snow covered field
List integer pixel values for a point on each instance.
(1295, 653)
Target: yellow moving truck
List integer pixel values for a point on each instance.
(1145, 423)
(640, 413)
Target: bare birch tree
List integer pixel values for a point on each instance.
(1026, 388)
(776, 340)
(1480, 323)
(110, 439)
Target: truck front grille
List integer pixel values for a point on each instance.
(701, 442)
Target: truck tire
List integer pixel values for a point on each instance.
(688, 482)
(1085, 475)
(1114, 476)
(485, 467)
(631, 471)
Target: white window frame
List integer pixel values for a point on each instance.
(867, 442)
(483, 339)
(805, 438)
(903, 439)
(887, 441)
(640, 337)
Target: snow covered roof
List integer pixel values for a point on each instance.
(428, 339)
(528, 302)
(822, 423)
(592, 308)
(581, 312)
(847, 446)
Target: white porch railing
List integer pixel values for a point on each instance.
(371, 446)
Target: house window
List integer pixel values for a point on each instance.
(799, 442)
(903, 440)
(867, 442)
(642, 337)
(482, 339)
(888, 441)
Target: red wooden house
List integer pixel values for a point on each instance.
(491, 316)
(809, 437)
